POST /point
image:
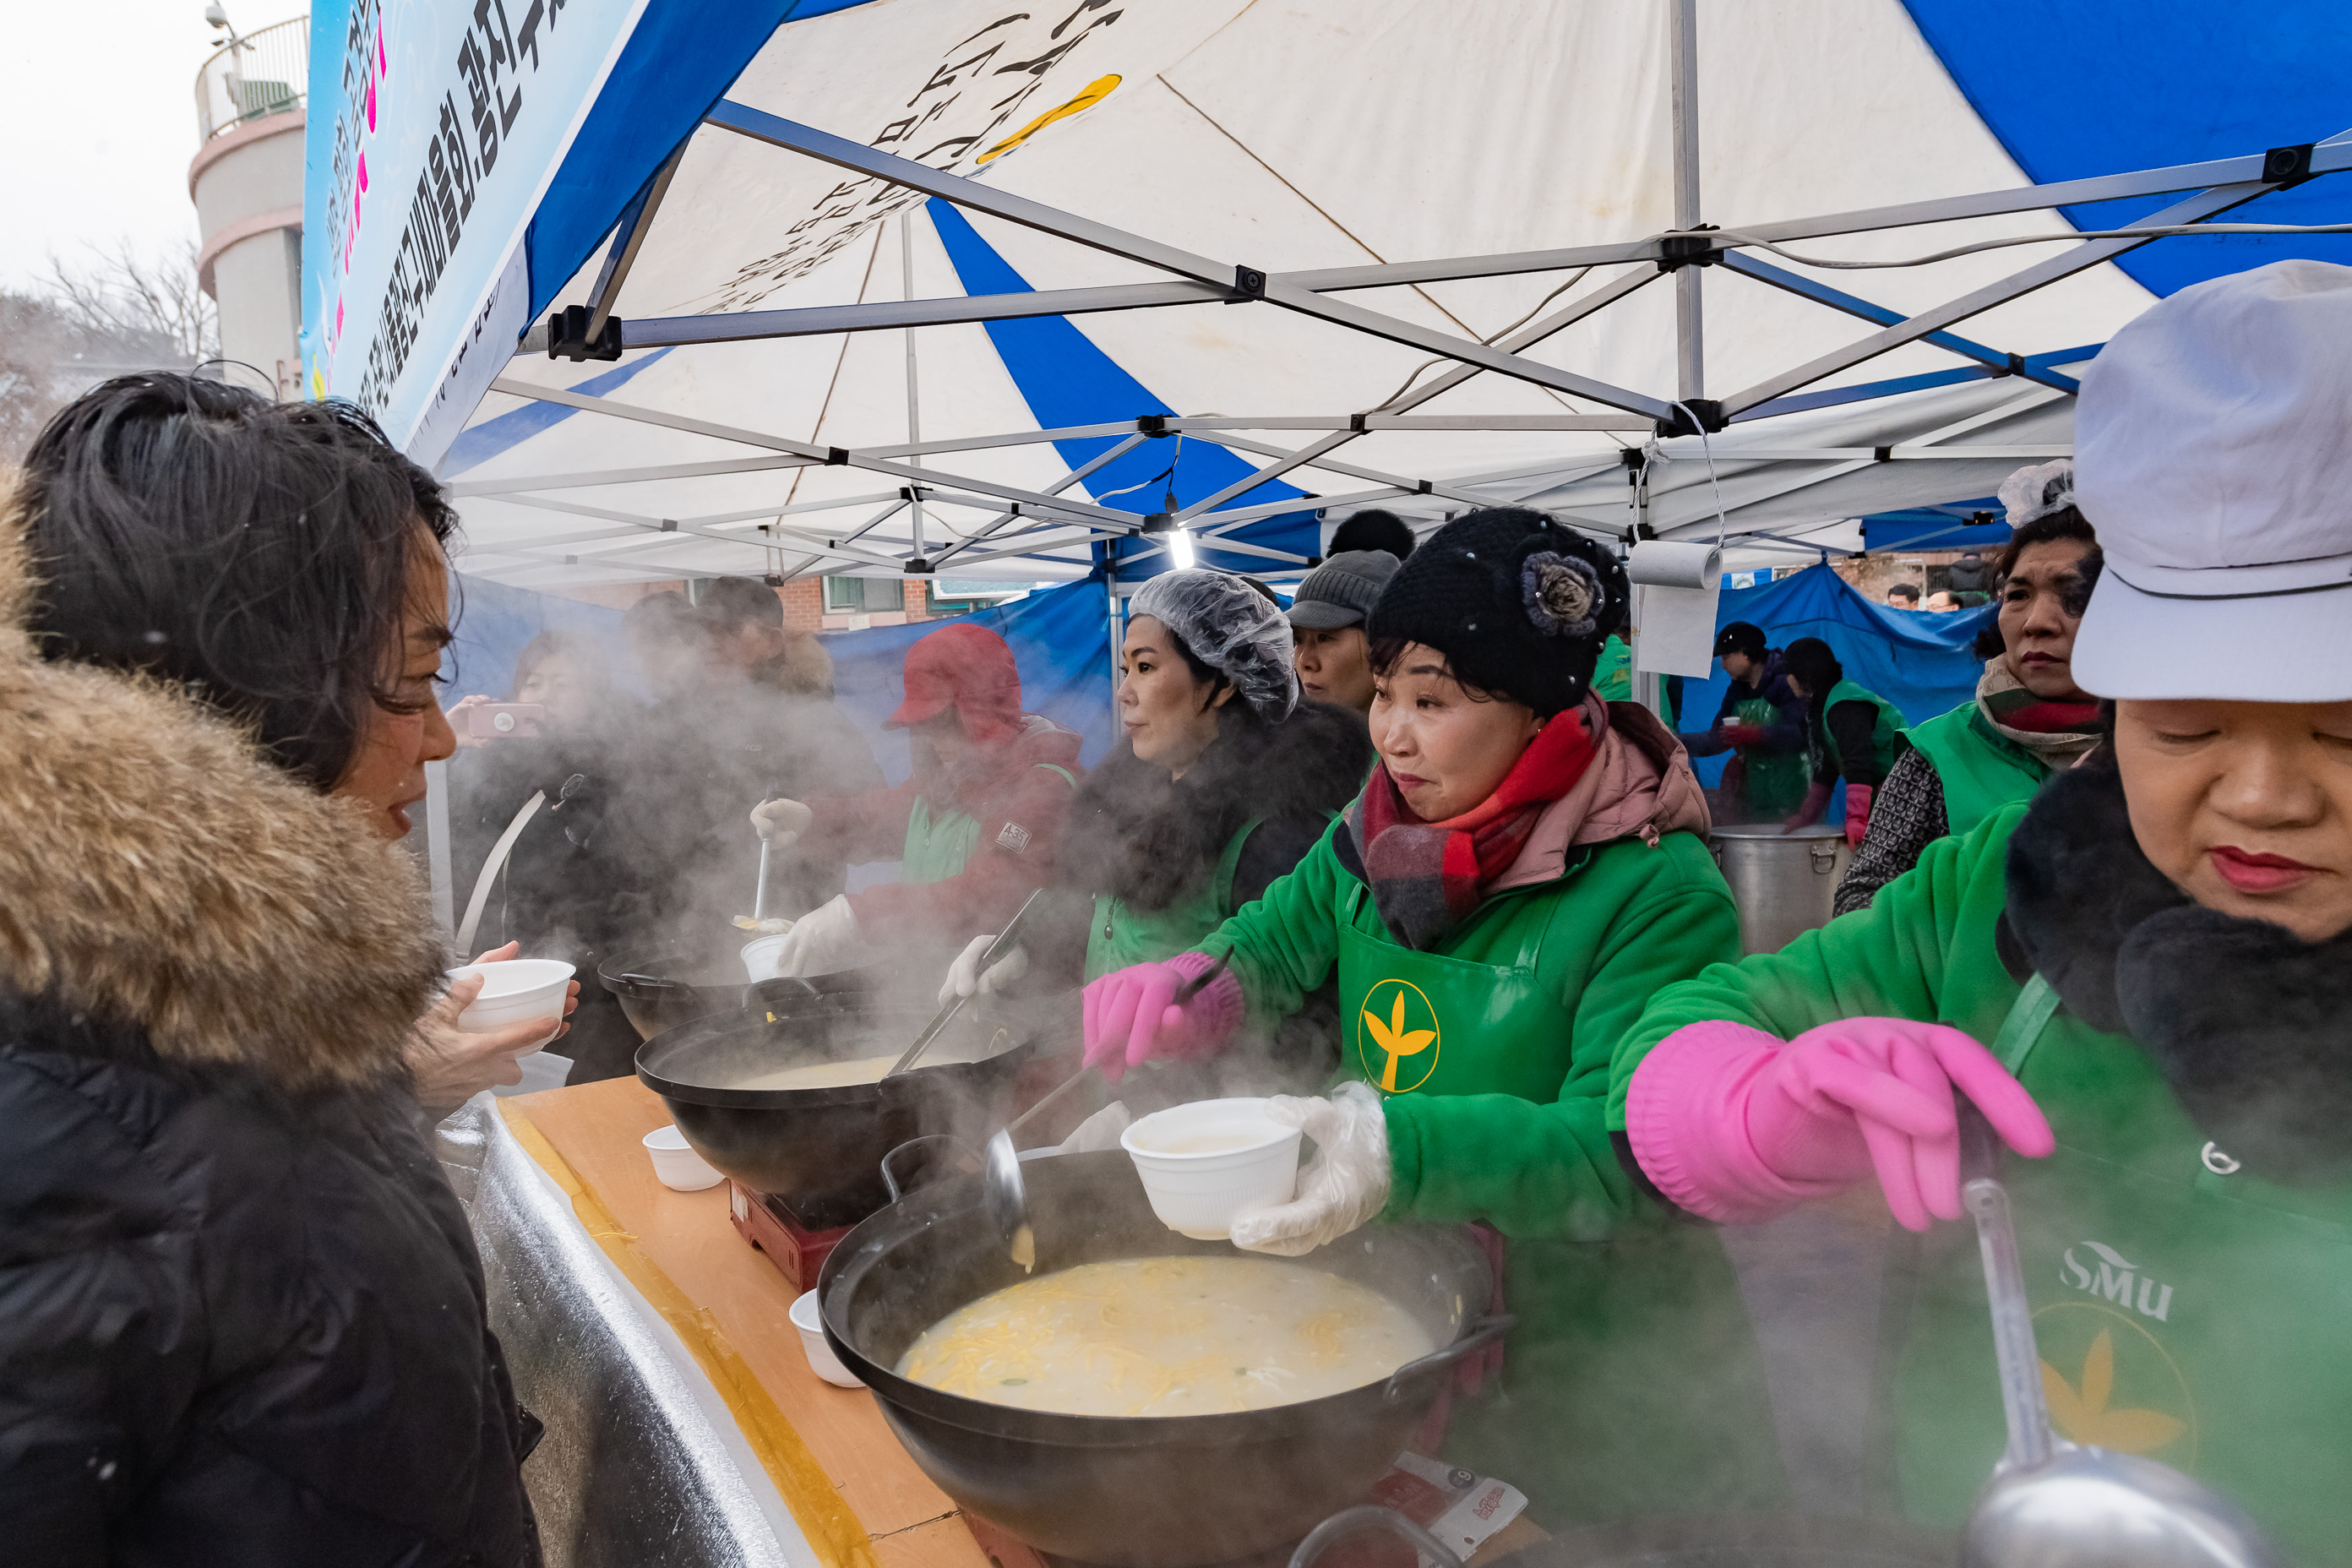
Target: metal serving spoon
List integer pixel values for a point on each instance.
(1006, 940)
(1005, 1195)
(2053, 1504)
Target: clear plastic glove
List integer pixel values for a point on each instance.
(448, 1066)
(825, 942)
(1342, 1189)
(1733, 1125)
(1857, 813)
(1131, 1017)
(1098, 1133)
(965, 977)
(780, 822)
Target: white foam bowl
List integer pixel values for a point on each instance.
(1204, 1163)
(677, 1164)
(515, 991)
(760, 956)
(821, 1359)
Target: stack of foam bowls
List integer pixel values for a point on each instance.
(677, 1164)
(1205, 1162)
(759, 955)
(515, 991)
(821, 1359)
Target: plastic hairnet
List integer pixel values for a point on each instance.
(1231, 626)
(2037, 491)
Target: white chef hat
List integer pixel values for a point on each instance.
(2213, 454)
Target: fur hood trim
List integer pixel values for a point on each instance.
(1639, 784)
(156, 872)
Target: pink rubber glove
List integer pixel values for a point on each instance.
(1816, 801)
(1733, 1125)
(1857, 813)
(1130, 1017)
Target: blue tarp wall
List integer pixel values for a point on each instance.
(1920, 662)
(1060, 638)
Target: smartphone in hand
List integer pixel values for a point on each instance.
(499, 721)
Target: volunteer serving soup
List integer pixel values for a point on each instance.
(2143, 978)
(1524, 869)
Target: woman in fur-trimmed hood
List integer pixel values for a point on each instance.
(241, 1316)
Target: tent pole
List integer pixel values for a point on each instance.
(914, 396)
(1690, 341)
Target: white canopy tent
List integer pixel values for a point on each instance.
(1341, 252)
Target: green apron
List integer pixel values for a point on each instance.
(1122, 935)
(938, 847)
(1595, 1421)
(1774, 783)
(1826, 761)
(1981, 770)
(1612, 675)
(1422, 1023)
(2183, 1311)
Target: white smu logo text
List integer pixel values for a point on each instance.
(2114, 1281)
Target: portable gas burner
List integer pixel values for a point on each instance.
(764, 1220)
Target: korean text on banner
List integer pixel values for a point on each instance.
(435, 128)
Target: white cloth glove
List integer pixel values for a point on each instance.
(825, 942)
(1340, 1189)
(964, 976)
(780, 822)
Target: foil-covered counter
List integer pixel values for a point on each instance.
(641, 1463)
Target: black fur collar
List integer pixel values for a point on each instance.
(1139, 835)
(2251, 1025)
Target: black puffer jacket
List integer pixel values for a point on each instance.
(241, 1317)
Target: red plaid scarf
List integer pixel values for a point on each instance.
(1426, 877)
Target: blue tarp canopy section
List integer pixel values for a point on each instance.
(1060, 638)
(2092, 88)
(1963, 525)
(1923, 663)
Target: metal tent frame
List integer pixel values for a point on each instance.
(985, 521)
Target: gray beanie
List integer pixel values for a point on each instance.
(1340, 592)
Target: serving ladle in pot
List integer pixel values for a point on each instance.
(2055, 1504)
(1002, 1190)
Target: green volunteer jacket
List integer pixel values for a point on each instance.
(1493, 1053)
(1980, 769)
(2183, 1310)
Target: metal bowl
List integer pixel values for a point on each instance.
(819, 1151)
(1175, 1491)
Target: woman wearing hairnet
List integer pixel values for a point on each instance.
(1223, 781)
(2143, 977)
(1524, 869)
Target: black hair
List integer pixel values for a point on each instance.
(2063, 525)
(1373, 529)
(1907, 590)
(1741, 638)
(1814, 662)
(1263, 591)
(1236, 716)
(555, 643)
(662, 618)
(731, 601)
(257, 554)
(1382, 653)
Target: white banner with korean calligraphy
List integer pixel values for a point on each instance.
(435, 128)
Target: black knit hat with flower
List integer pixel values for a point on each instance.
(1518, 605)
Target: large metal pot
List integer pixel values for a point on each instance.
(1783, 882)
(659, 991)
(1135, 1491)
(819, 1151)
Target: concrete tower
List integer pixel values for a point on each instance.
(247, 182)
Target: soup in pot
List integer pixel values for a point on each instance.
(821, 1075)
(1167, 1336)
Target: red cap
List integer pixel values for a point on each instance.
(969, 669)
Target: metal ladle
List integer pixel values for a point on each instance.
(1005, 1195)
(2053, 1504)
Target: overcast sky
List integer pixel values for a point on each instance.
(97, 119)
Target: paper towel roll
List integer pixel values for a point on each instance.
(1675, 563)
(1676, 585)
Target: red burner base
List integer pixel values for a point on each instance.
(763, 1221)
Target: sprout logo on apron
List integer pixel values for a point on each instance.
(1396, 1036)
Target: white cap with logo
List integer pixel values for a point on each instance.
(2213, 455)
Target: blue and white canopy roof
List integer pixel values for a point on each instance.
(727, 188)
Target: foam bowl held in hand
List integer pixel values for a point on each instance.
(677, 1164)
(821, 1359)
(760, 956)
(1203, 1163)
(515, 991)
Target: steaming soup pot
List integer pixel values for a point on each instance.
(659, 991)
(820, 1150)
(1178, 1491)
